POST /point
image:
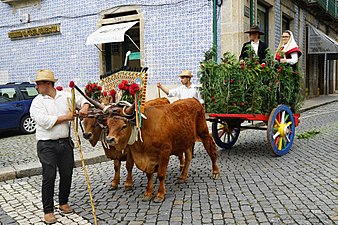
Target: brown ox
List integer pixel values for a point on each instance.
(168, 130)
(94, 129)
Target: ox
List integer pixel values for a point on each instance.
(168, 130)
(94, 129)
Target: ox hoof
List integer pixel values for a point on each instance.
(158, 200)
(146, 198)
(113, 187)
(128, 188)
(215, 176)
(181, 180)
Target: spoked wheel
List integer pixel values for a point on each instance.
(281, 130)
(225, 134)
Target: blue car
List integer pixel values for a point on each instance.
(15, 101)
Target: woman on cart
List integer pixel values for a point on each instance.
(288, 51)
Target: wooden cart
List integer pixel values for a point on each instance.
(280, 126)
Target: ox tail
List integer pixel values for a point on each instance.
(207, 140)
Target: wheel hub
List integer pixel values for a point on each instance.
(283, 129)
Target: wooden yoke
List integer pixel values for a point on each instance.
(140, 78)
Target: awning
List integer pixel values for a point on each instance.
(109, 33)
(320, 43)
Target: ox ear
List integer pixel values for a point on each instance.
(130, 110)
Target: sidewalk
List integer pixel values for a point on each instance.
(319, 101)
(93, 157)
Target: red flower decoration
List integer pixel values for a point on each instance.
(112, 92)
(121, 86)
(105, 93)
(235, 103)
(242, 104)
(71, 84)
(133, 88)
(231, 81)
(242, 66)
(263, 65)
(59, 88)
(124, 82)
(213, 98)
(93, 90)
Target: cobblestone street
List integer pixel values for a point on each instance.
(255, 187)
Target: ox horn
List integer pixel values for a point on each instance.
(104, 108)
(130, 110)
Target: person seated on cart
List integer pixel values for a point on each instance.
(257, 45)
(186, 90)
(288, 51)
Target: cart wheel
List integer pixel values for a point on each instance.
(224, 136)
(281, 130)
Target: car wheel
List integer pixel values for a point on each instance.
(27, 125)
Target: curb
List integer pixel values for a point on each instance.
(317, 105)
(34, 168)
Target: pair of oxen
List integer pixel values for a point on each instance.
(168, 129)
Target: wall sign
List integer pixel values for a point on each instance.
(34, 32)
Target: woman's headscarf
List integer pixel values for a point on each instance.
(288, 48)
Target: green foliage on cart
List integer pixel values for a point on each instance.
(254, 88)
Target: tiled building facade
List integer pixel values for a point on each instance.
(171, 35)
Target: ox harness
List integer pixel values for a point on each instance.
(101, 121)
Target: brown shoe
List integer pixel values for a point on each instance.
(49, 218)
(65, 209)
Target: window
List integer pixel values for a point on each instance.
(285, 23)
(28, 92)
(262, 22)
(8, 95)
(115, 53)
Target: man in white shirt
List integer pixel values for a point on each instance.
(186, 90)
(258, 46)
(51, 112)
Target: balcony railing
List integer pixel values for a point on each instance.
(329, 6)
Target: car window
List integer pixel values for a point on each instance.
(8, 95)
(28, 92)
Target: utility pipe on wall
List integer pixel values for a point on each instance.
(215, 30)
(252, 15)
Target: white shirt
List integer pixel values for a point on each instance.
(255, 46)
(183, 92)
(294, 58)
(45, 111)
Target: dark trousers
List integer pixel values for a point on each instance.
(55, 154)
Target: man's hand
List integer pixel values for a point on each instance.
(159, 85)
(163, 88)
(63, 118)
(84, 110)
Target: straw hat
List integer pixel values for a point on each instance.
(254, 29)
(185, 73)
(45, 75)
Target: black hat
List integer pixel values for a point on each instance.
(254, 29)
